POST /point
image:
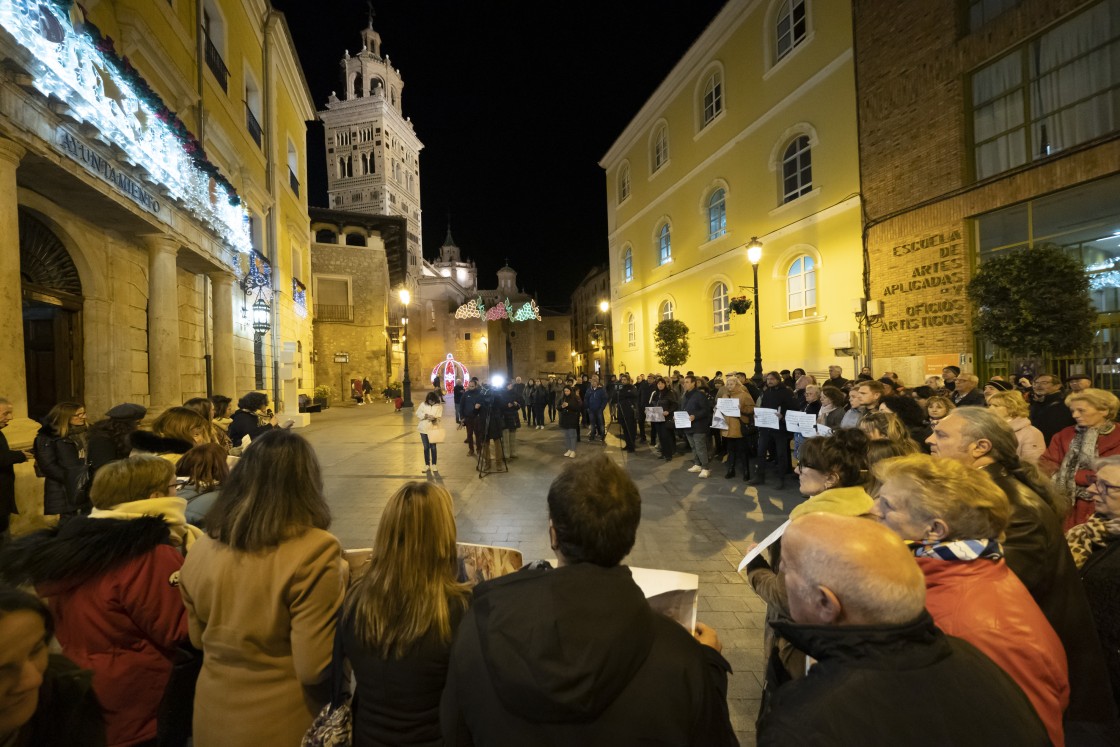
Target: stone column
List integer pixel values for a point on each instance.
(164, 386)
(11, 305)
(225, 373)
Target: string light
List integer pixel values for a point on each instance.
(475, 309)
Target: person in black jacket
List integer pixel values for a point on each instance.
(776, 396)
(109, 438)
(252, 418)
(8, 459)
(512, 402)
(468, 408)
(574, 655)
(662, 396)
(60, 455)
(626, 404)
(1048, 406)
(883, 670)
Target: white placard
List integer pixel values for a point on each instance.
(770, 539)
(801, 422)
(823, 430)
(680, 419)
(718, 421)
(655, 415)
(728, 406)
(766, 417)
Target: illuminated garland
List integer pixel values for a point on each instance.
(477, 310)
(78, 65)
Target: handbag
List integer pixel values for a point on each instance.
(333, 727)
(436, 434)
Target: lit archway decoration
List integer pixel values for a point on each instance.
(447, 371)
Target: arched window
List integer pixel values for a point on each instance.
(665, 310)
(660, 147)
(717, 214)
(355, 239)
(623, 182)
(627, 265)
(365, 164)
(797, 169)
(790, 27)
(664, 246)
(326, 236)
(721, 313)
(631, 331)
(801, 288)
(713, 97)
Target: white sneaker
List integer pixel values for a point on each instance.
(435, 469)
(704, 473)
(694, 468)
(572, 454)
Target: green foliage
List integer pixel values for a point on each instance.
(323, 392)
(671, 336)
(1034, 302)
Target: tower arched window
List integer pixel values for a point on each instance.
(627, 265)
(717, 214)
(801, 288)
(349, 166)
(623, 182)
(631, 331)
(357, 86)
(790, 27)
(664, 245)
(665, 310)
(365, 164)
(713, 97)
(660, 147)
(797, 169)
(721, 312)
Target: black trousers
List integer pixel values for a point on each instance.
(777, 442)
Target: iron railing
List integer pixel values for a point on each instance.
(293, 181)
(333, 313)
(216, 64)
(253, 126)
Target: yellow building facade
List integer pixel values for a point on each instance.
(151, 212)
(752, 134)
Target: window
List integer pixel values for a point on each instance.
(631, 331)
(721, 313)
(801, 288)
(982, 11)
(326, 236)
(665, 311)
(627, 265)
(797, 169)
(466, 335)
(550, 356)
(1059, 90)
(253, 109)
(713, 97)
(717, 214)
(660, 147)
(293, 167)
(550, 335)
(664, 246)
(790, 26)
(355, 239)
(623, 182)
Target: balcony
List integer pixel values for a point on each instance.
(292, 181)
(252, 125)
(217, 65)
(333, 313)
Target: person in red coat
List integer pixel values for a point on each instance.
(112, 585)
(952, 517)
(1069, 458)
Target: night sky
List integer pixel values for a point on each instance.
(515, 103)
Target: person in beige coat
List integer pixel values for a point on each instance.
(262, 591)
(735, 434)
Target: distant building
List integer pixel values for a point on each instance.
(591, 325)
(752, 134)
(1000, 132)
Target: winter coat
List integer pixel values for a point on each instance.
(975, 398)
(511, 401)
(1101, 578)
(986, 604)
(575, 656)
(737, 427)
(1051, 415)
(171, 449)
(1108, 444)
(198, 504)
(884, 684)
(569, 411)
(265, 622)
(1036, 550)
(62, 461)
(471, 397)
(8, 460)
(596, 398)
(628, 401)
(428, 416)
(244, 424)
(113, 588)
(397, 699)
(666, 400)
(539, 395)
(1031, 442)
(778, 398)
(68, 712)
(695, 403)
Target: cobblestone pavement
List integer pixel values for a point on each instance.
(690, 525)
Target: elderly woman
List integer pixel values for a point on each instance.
(1069, 459)
(832, 407)
(811, 405)
(952, 517)
(735, 434)
(1096, 550)
(1011, 407)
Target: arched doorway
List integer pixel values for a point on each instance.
(52, 317)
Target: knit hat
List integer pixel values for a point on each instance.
(1002, 386)
(128, 411)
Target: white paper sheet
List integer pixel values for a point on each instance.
(680, 419)
(728, 406)
(718, 421)
(823, 430)
(801, 422)
(770, 539)
(765, 417)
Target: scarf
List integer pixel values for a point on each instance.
(826, 407)
(1084, 538)
(172, 510)
(1081, 454)
(962, 549)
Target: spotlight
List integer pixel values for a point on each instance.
(497, 381)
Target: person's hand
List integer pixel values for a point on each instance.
(274, 421)
(707, 636)
(478, 407)
(28, 453)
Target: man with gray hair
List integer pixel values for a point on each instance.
(8, 460)
(967, 394)
(883, 671)
(1036, 551)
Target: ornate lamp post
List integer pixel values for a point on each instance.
(262, 323)
(754, 254)
(406, 297)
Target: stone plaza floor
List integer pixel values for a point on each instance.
(689, 525)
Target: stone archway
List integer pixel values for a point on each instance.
(52, 317)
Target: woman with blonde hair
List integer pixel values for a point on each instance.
(214, 433)
(888, 425)
(938, 408)
(262, 589)
(173, 433)
(399, 619)
(1011, 407)
(1072, 452)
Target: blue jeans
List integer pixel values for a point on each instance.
(699, 444)
(570, 438)
(429, 450)
(596, 418)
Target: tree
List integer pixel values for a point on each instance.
(1034, 301)
(671, 336)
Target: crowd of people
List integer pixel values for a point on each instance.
(950, 533)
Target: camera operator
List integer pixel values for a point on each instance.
(626, 405)
(489, 428)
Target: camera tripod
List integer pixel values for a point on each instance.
(484, 465)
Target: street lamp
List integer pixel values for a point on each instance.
(405, 297)
(262, 323)
(608, 347)
(754, 254)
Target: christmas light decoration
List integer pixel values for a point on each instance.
(73, 63)
(476, 309)
(299, 298)
(447, 371)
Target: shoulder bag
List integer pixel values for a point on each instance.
(333, 727)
